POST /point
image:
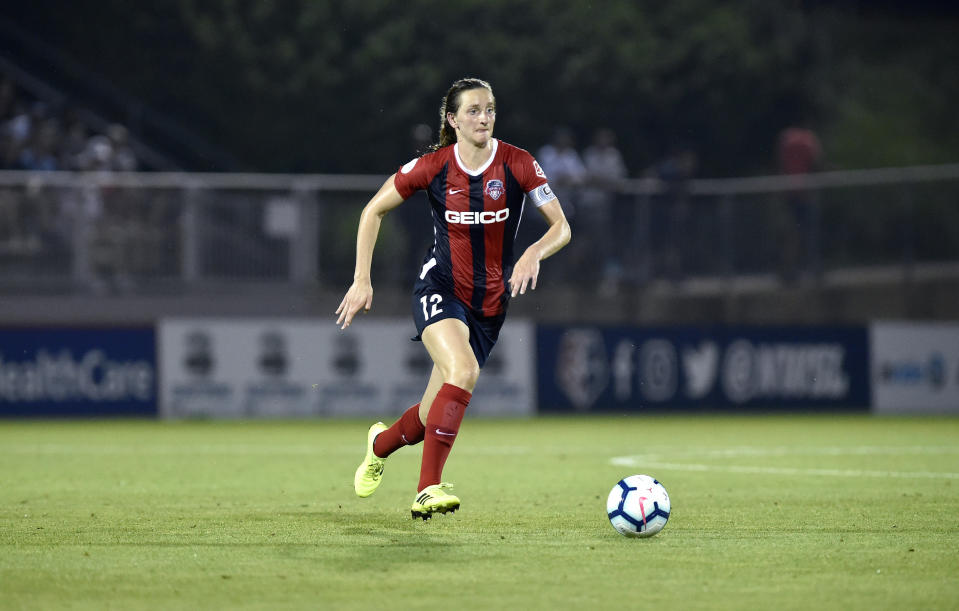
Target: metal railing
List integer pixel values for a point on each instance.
(62, 231)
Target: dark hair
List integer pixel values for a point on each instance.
(451, 103)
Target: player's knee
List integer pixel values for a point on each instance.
(463, 375)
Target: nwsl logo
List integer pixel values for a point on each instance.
(494, 188)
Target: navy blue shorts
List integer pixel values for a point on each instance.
(431, 305)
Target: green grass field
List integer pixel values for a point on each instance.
(797, 512)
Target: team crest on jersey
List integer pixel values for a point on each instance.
(494, 188)
(539, 170)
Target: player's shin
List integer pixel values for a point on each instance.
(442, 426)
(408, 430)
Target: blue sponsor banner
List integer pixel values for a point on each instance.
(51, 371)
(594, 368)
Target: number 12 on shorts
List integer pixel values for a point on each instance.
(435, 300)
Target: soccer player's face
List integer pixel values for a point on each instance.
(475, 117)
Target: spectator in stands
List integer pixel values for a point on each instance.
(74, 142)
(32, 138)
(97, 155)
(605, 172)
(124, 159)
(564, 167)
(21, 125)
(28, 140)
(567, 174)
(798, 153)
(675, 171)
(41, 220)
(15, 132)
(40, 152)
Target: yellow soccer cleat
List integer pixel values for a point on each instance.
(370, 471)
(434, 499)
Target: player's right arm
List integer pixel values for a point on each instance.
(360, 294)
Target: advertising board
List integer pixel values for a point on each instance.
(586, 368)
(295, 368)
(915, 367)
(77, 372)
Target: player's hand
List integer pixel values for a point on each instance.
(359, 297)
(525, 273)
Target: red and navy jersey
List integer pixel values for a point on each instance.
(476, 214)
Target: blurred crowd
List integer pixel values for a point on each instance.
(588, 186)
(612, 232)
(35, 136)
(111, 236)
(669, 234)
(39, 223)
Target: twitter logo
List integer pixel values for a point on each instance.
(700, 366)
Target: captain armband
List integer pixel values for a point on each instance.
(542, 194)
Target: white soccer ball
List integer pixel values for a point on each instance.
(638, 506)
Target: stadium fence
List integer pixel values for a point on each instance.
(62, 231)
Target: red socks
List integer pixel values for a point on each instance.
(442, 425)
(407, 431)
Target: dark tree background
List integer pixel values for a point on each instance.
(322, 86)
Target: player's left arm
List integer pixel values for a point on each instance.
(526, 270)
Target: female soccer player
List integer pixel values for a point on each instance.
(476, 186)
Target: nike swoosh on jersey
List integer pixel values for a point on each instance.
(455, 191)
